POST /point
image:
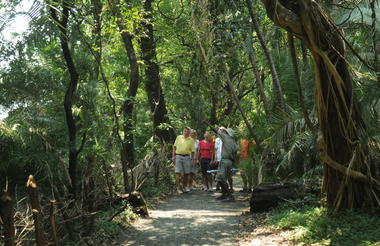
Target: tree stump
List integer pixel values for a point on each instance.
(267, 195)
(36, 210)
(138, 203)
(7, 216)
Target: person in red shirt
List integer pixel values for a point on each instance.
(205, 155)
(246, 161)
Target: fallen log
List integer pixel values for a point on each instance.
(267, 195)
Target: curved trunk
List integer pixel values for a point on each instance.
(349, 177)
(127, 149)
(69, 96)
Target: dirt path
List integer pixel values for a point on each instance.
(195, 218)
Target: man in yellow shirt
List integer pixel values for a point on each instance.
(183, 150)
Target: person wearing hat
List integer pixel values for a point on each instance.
(227, 158)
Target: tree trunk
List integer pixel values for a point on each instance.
(7, 217)
(276, 82)
(69, 96)
(152, 81)
(293, 54)
(214, 102)
(235, 98)
(127, 149)
(259, 82)
(349, 175)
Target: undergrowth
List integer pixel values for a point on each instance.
(312, 224)
(150, 189)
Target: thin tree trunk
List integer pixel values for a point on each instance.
(236, 99)
(127, 149)
(108, 177)
(341, 142)
(97, 34)
(260, 86)
(304, 53)
(293, 54)
(69, 96)
(268, 54)
(152, 81)
(214, 103)
(53, 221)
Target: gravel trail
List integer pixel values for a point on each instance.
(194, 218)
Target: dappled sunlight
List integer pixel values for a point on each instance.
(196, 218)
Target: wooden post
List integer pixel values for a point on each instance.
(37, 211)
(53, 208)
(7, 216)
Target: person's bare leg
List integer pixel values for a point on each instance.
(185, 180)
(178, 182)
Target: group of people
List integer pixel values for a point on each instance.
(213, 152)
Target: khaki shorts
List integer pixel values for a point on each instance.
(182, 164)
(223, 170)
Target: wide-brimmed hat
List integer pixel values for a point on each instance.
(230, 132)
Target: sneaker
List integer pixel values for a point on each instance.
(209, 190)
(243, 190)
(222, 197)
(187, 189)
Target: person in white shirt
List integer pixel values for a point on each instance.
(193, 169)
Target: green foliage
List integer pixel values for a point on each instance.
(313, 225)
(109, 227)
(151, 189)
(114, 226)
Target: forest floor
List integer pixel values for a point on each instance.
(197, 218)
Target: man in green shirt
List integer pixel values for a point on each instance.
(183, 153)
(227, 158)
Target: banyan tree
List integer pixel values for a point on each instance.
(349, 176)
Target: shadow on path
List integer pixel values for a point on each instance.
(195, 218)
